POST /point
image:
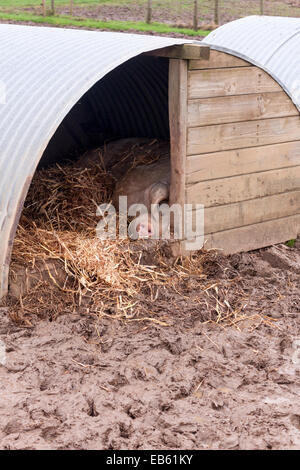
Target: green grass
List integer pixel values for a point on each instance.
(291, 243)
(98, 24)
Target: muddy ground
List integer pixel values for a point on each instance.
(182, 16)
(188, 382)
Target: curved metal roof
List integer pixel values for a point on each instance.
(43, 73)
(270, 42)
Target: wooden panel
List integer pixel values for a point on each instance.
(231, 81)
(251, 212)
(240, 188)
(237, 162)
(255, 236)
(227, 109)
(242, 134)
(177, 116)
(218, 60)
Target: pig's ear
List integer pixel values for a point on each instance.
(159, 192)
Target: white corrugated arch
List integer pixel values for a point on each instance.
(43, 73)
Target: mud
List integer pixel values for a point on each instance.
(184, 382)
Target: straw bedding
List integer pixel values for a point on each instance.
(116, 278)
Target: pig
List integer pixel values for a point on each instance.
(148, 185)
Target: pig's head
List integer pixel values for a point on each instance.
(148, 225)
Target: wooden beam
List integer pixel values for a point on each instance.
(230, 81)
(217, 60)
(178, 118)
(242, 134)
(182, 51)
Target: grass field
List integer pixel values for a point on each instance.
(102, 25)
(168, 16)
(117, 16)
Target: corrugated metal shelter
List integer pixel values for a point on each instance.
(43, 74)
(234, 132)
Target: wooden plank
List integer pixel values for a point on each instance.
(251, 212)
(178, 118)
(182, 51)
(240, 188)
(228, 82)
(239, 135)
(217, 60)
(255, 236)
(225, 109)
(237, 162)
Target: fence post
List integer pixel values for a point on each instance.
(149, 11)
(195, 16)
(52, 7)
(44, 7)
(217, 12)
(71, 7)
(262, 7)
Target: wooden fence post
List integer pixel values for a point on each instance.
(262, 7)
(149, 12)
(52, 7)
(44, 7)
(71, 7)
(217, 12)
(195, 16)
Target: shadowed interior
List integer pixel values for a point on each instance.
(130, 101)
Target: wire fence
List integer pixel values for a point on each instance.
(186, 13)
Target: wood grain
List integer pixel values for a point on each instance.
(220, 110)
(251, 212)
(230, 81)
(239, 135)
(217, 60)
(240, 188)
(237, 162)
(255, 236)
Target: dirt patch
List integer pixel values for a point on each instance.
(90, 382)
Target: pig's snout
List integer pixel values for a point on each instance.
(141, 227)
(149, 226)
